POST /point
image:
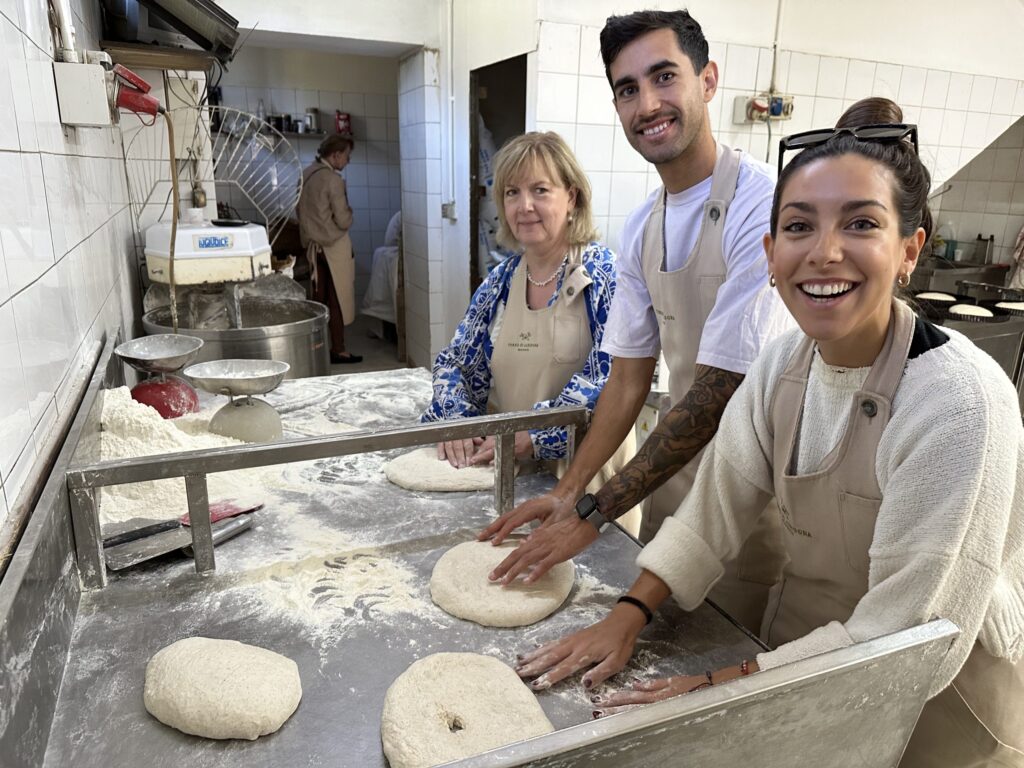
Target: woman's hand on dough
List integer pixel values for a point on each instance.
(549, 507)
(545, 548)
(523, 449)
(605, 646)
(459, 453)
(646, 692)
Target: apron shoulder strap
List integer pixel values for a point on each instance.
(316, 170)
(574, 284)
(725, 176)
(650, 240)
(885, 375)
(788, 395)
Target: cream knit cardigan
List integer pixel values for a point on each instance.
(949, 538)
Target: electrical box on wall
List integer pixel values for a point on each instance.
(762, 108)
(82, 95)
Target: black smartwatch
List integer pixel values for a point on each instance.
(587, 509)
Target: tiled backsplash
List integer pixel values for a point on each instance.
(958, 114)
(373, 176)
(986, 196)
(66, 241)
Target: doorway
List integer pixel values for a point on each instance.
(497, 113)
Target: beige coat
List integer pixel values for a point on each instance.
(324, 220)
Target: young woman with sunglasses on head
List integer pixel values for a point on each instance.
(894, 447)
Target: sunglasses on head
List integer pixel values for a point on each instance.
(881, 132)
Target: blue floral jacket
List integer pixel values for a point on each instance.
(462, 371)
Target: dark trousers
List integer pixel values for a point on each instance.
(323, 291)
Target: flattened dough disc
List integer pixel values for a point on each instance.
(421, 470)
(453, 705)
(459, 586)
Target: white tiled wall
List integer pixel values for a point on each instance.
(957, 114)
(373, 177)
(986, 197)
(419, 102)
(66, 241)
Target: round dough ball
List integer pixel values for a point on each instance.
(421, 470)
(453, 705)
(221, 689)
(970, 310)
(459, 586)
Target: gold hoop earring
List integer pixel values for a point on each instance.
(771, 280)
(903, 279)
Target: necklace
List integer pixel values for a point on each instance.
(552, 276)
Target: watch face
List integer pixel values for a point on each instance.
(586, 506)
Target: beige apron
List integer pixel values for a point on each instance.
(538, 350)
(342, 266)
(683, 300)
(828, 519)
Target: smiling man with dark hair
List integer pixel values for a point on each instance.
(693, 283)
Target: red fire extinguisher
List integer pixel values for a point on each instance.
(342, 122)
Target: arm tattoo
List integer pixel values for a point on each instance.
(679, 436)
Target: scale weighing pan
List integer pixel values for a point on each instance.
(160, 354)
(238, 378)
(246, 419)
(157, 357)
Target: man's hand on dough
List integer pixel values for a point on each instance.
(545, 548)
(605, 646)
(547, 508)
(459, 453)
(523, 449)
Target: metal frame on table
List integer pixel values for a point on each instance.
(856, 705)
(84, 481)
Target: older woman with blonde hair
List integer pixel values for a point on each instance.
(531, 336)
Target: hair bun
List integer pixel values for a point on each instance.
(874, 110)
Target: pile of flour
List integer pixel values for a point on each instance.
(130, 429)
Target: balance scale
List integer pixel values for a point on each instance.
(158, 357)
(221, 251)
(247, 418)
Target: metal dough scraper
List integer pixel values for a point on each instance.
(228, 520)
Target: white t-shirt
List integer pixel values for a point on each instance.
(747, 312)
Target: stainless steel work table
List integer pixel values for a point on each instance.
(343, 513)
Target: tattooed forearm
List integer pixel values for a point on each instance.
(684, 430)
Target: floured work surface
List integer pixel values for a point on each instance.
(335, 575)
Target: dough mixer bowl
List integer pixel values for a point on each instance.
(159, 354)
(237, 378)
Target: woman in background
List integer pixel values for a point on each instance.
(325, 218)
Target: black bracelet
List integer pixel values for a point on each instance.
(648, 616)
